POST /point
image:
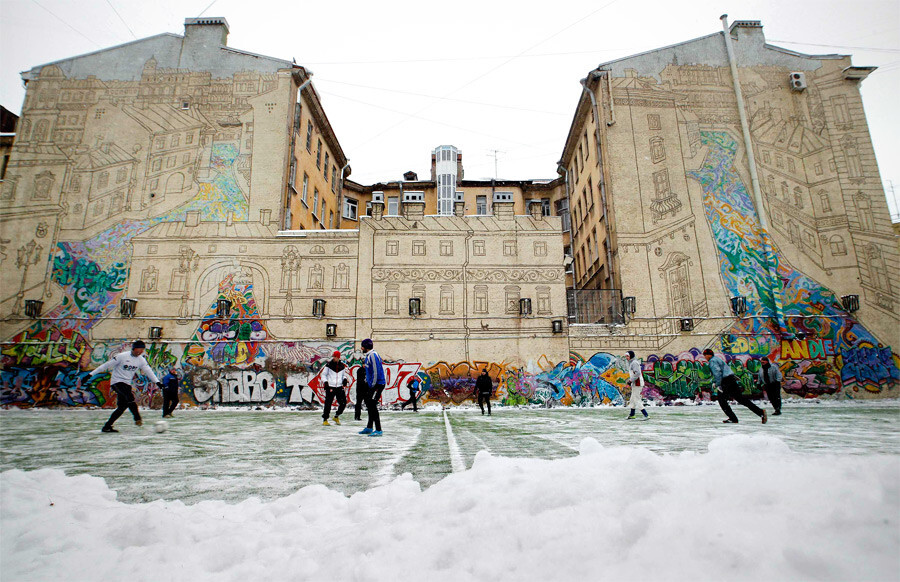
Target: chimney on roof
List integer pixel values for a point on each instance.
(410, 176)
(205, 32)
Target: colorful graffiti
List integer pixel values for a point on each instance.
(787, 307)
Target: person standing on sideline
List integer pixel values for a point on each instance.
(770, 378)
(124, 366)
(375, 381)
(636, 381)
(335, 378)
(483, 388)
(724, 378)
(362, 390)
(413, 394)
(170, 392)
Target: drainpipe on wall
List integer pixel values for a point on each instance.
(609, 262)
(341, 198)
(561, 170)
(775, 282)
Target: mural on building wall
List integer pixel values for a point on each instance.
(807, 308)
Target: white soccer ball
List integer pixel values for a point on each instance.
(161, 426)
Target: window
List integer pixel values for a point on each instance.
(315, 200)
(509, 248)
(121, 175)
(779, 161)
(513, 293)
(392, 299)
(292, 178)
(826, 201)
(446, 299)
(160, 143)
(481, 299)
(653, 121)
(170, 162)
(580, 155)
(305, 192)
(186, 159)
(325, 172)
(481, 205)
(837, 245)
(75, 185)
(791, 166)
(333, 178)
(418, 291)
(418, 248)
(770, 184)
(864, 212)
(319, 154)
(661, 183)
(154, 184)
(818, 169)
(446, 248)
(545, 207)
(543, 300)
(330, 219)
(478, 248)
(587, 146)
(157, 165)
(540, 249)
(851, 154)
(810, 239)
(446, 184)
(189, 139)
(657, 149)
(392, 248)
(322, 212)
(841, 113)
(393, 206)
(176, 141)
(351, 207)
(103, 180)
(368, 209)
(798, 197)
(767, 158)
(309, 129)
(784, 190)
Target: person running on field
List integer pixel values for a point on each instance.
(362, 390)
(725, 380)
(483, 388)
(413, 385)
(335, 377)
(124, 366)
(770, 378)
(636, 381)
(170, 392)
(375, 381)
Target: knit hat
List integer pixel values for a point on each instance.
(367, 344)
(336, 354)
(138, 344)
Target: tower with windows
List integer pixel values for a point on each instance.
(447, 170)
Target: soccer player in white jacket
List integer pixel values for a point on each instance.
(124, 366)
(636, 381)
(335, 376)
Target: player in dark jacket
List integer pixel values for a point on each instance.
(483, 388)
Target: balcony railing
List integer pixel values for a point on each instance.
(595, 306)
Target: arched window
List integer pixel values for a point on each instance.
(838, 247)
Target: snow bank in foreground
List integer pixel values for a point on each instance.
(748, 509)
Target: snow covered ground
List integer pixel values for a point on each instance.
(563, 494)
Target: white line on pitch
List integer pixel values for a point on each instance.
(456, 460)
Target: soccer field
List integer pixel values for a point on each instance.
(232, 455)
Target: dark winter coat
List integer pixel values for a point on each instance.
(484, 385)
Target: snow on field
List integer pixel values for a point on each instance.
(814, 495)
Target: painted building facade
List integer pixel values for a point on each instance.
(171, 171)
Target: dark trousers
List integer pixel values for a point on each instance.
(124, 401)
(482, 399)
(730, 389)
(374, 397)
(170, 400)
(330, 395)
(413, 398)
(773, 391)
(361, 390)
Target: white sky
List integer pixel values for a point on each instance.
(401, 77)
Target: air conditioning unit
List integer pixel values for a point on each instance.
(415, 306)
(524, 306)
(798, 81)
(414, 196)
(378, 197)
(503, 196)
(687, 324)
(330, 330)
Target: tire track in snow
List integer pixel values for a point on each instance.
(456, 459)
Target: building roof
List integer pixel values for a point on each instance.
(166, 118)
(208, 230)
(104, 156)
(791, 135)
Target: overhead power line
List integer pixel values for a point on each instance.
(56, 16)
(320, 80)
(492, 69)
(478, 58)
(133, 35)
(838, 46)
